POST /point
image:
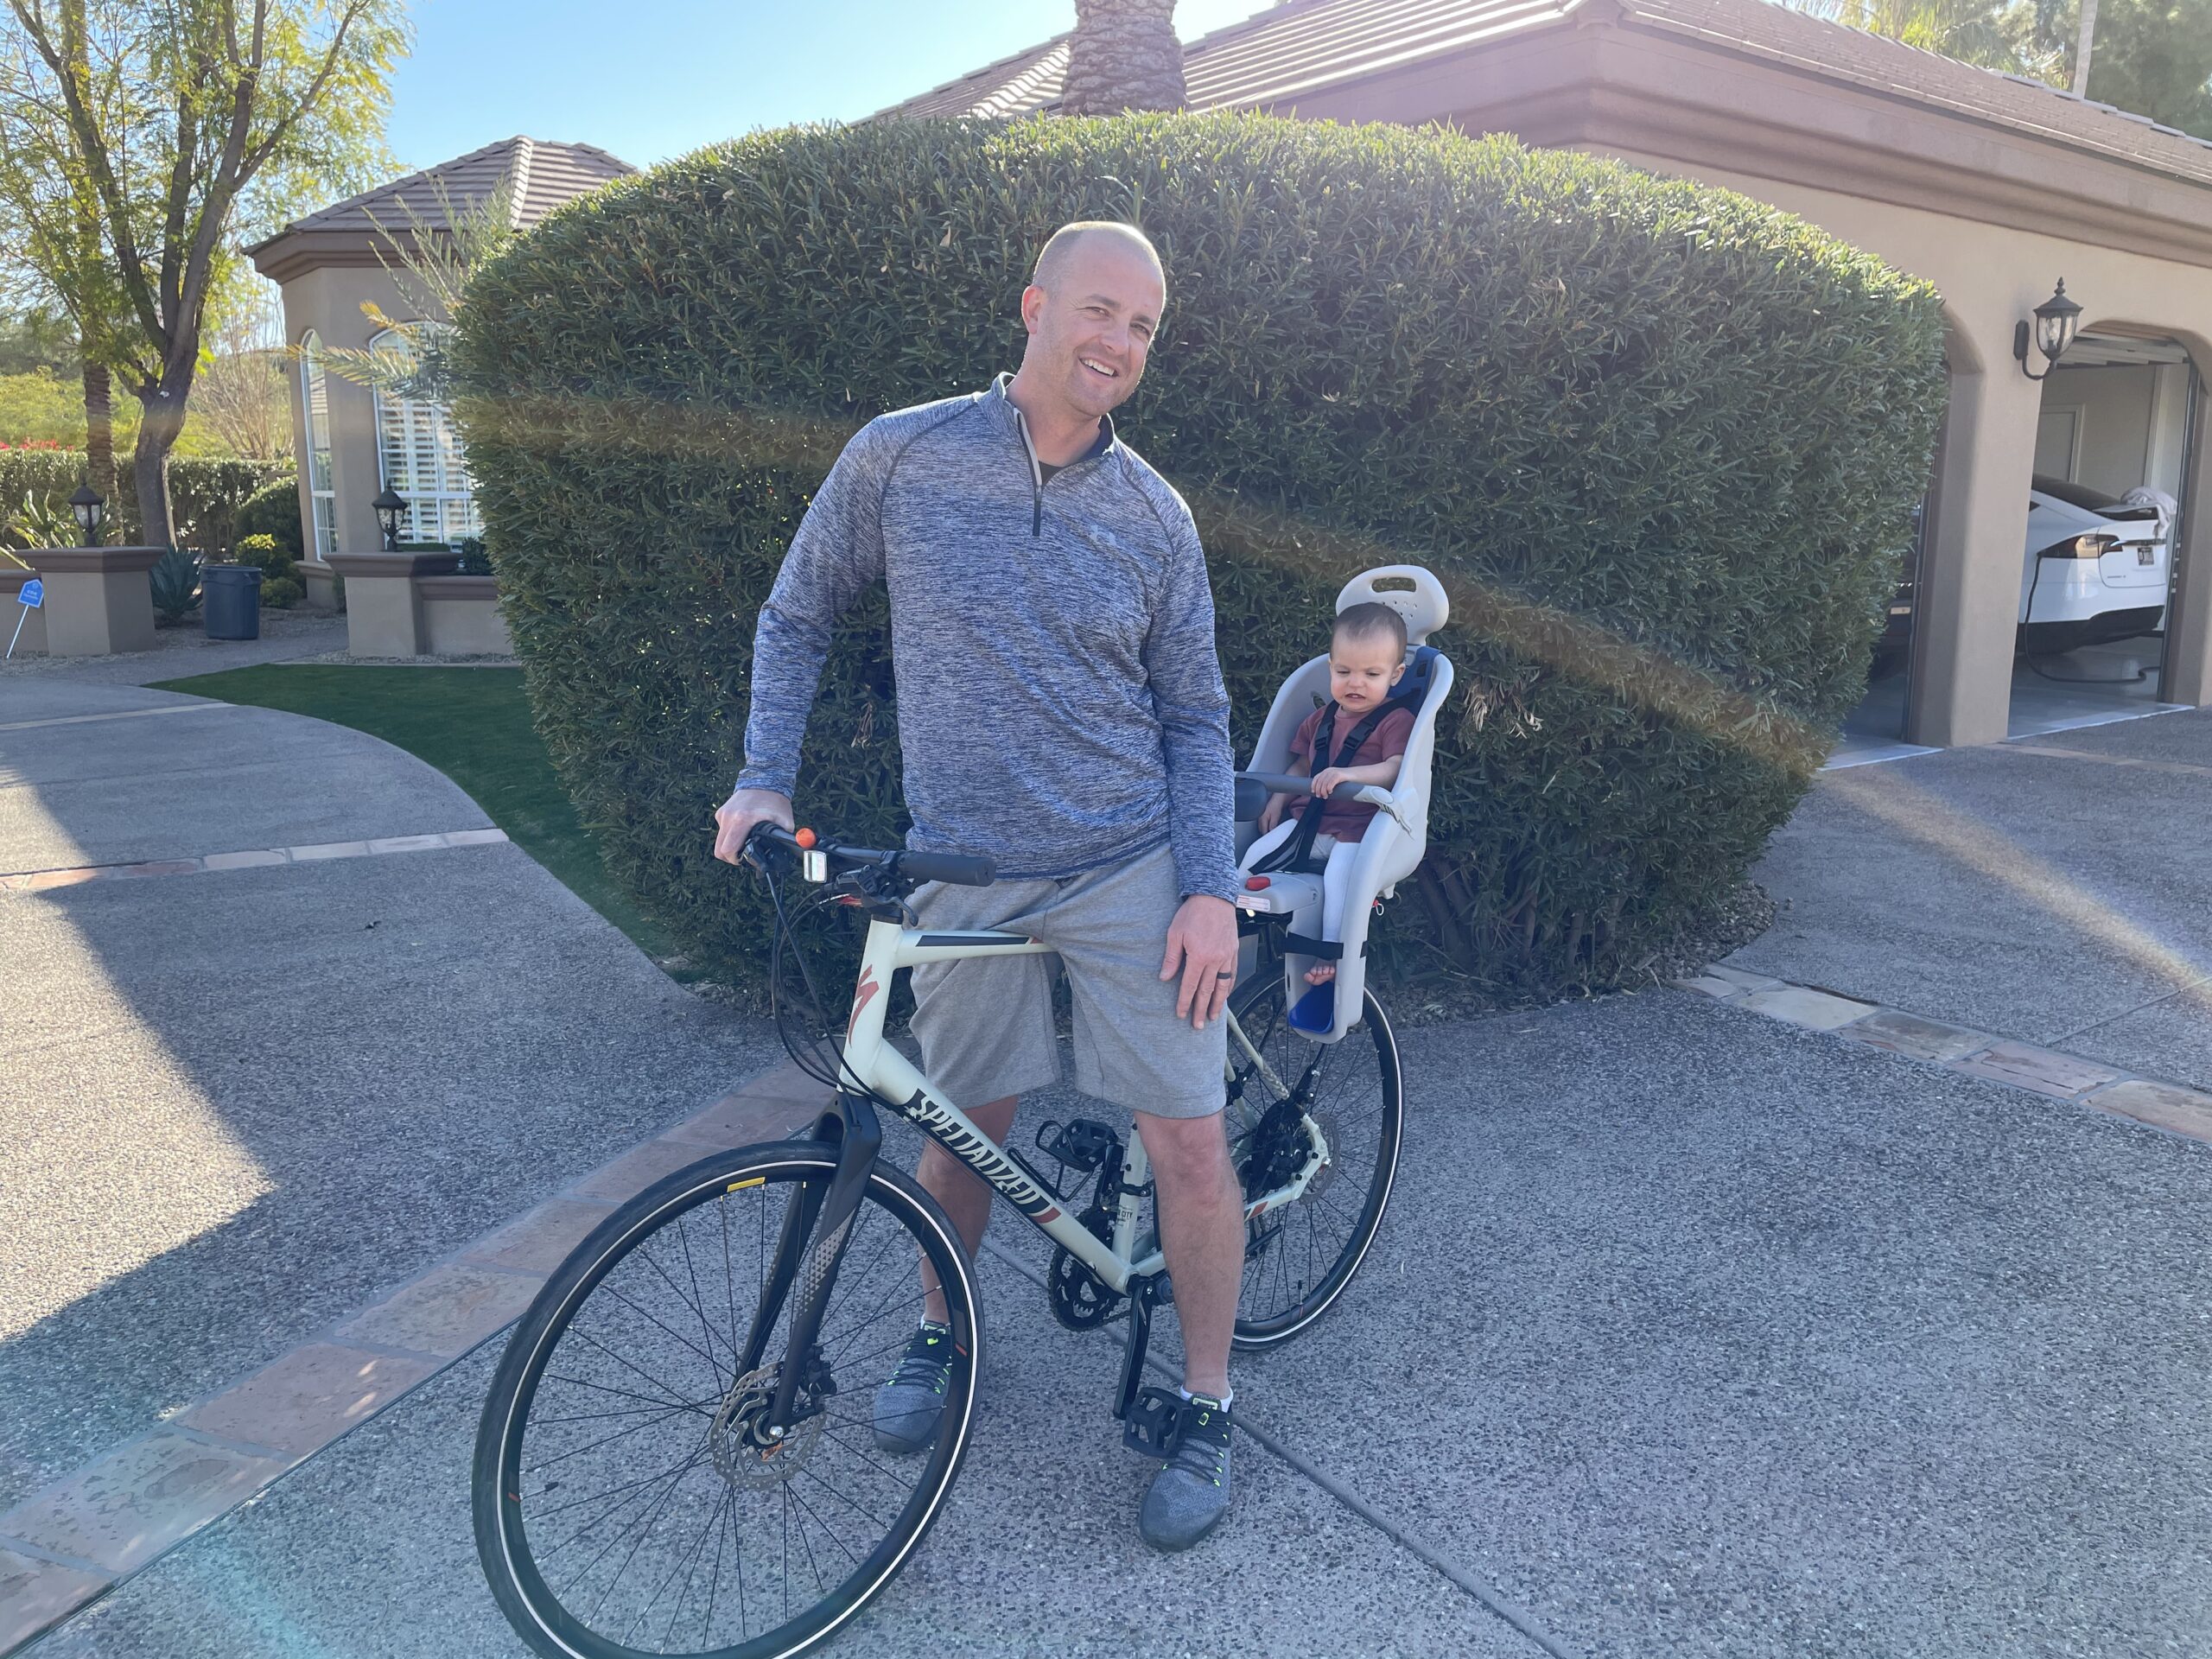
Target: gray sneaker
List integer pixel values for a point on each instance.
(908, 1408)
(1190, 1494)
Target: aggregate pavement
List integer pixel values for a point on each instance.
(2035, 890)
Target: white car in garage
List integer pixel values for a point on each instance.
(2096, 568)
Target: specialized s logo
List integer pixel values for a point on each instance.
(862, 996)
(1001, 1169)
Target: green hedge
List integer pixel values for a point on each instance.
(205, 495)
(274, 511)
(1661, 441)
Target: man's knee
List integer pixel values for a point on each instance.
(1186, 1152)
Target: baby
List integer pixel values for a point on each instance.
(1367, 658)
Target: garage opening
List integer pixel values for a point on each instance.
(2104, 521)
(1875, 729)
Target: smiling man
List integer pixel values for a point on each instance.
(1061, 710)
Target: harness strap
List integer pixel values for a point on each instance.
(1297, 853)
(1326, 949)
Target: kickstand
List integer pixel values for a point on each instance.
(1150, 1417)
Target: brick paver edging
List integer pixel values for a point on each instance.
(1970, 1053)
(69, 1545)
(39, 880)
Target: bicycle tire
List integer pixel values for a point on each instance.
(1298, 1259)
(601, 1291)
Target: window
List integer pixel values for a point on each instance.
(315, 394)
(418, 452)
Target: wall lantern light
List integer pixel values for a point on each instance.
(389, 510)
(87, 504)
(2057, 318)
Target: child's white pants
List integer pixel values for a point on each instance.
(1334, 880)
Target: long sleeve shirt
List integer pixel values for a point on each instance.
(1060, 702)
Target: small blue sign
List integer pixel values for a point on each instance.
(33, 592)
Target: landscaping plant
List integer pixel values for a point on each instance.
(1661, 442)
(281, 587)
(175, 577)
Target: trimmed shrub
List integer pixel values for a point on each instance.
(1661, 441)
(205, 495)
(274, 511)
(280, 584)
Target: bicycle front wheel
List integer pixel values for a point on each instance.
(623, 1505)
(1299, 1255)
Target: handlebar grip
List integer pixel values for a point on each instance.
(960, 869)
(956, 867)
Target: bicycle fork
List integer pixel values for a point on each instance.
(808, 1252)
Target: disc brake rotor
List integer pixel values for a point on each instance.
(743, 1454)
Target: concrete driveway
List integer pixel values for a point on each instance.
(1690, 1332)
(246, 1086)
(2054, 890)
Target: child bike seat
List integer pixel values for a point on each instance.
(1396, 837)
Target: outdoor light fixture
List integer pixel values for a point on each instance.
(88, 505)
(388, 508)
(2057, 318)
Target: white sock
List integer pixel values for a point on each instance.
(1228, 1396)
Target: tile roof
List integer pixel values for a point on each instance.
(1303, 46)
(540, 175)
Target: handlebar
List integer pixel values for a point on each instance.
(959, 869)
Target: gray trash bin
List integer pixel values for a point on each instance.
(230, 599)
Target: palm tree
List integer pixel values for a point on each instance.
(1970, 30)
(1124, 56)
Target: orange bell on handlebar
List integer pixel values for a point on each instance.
(804, 838)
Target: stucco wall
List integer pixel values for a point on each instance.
(328, 300)
(1992, 277)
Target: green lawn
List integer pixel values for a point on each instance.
(472, 724)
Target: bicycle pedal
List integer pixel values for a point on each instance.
(1081, 1145)
(1153, 1423)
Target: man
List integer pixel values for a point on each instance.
(1061, 710)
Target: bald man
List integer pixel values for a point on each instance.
(1061, 710)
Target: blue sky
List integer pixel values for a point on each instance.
(652, 78)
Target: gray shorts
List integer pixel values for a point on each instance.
(985, 1024)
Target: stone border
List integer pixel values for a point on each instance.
(66, 1546)
(39, 880)
(2047, 1071)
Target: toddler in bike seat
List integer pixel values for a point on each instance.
(1358, 737)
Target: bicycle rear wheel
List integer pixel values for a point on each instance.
(1299, 1257)
(621, 1509)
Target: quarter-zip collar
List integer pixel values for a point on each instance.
(1003, 408)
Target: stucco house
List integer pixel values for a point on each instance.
(353, 442)
(1993, 188)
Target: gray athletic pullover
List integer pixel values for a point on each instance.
(1060, 703)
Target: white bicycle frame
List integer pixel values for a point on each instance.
(882, 1069)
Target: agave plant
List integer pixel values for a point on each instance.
(176, 584)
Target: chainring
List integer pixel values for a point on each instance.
(1079, 1300)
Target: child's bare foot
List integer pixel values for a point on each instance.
(1321, 973)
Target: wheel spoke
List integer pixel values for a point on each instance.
(645, 1519)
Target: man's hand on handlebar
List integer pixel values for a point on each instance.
(735, 818)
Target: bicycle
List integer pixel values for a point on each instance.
(731, 1417)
